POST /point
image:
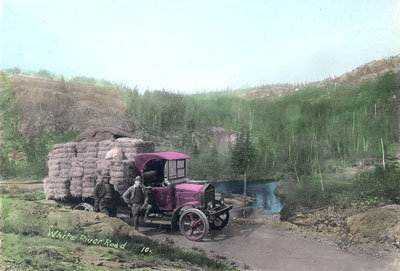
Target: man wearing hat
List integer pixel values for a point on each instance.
(105, 197)
(135, 197)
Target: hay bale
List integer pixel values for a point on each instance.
(102, 154)
(89, 181)
(65, 163)
(93, 144)
(54, 167)
(76, 193)
(92, 149)
(68, 155)
(90, 171)
(90, 160)
(116, 169)
(77, 173)
(49, 187)
(62, 185)
(115, 153)
(71, 144)
(81, 148)
(115, 162)
(89, 168)
(62, 188)
(54, 162)
(56, 156)
(103, 164)
(57, 151)
(76, 181)
(87, 192)
(106, 145)
(90, 155)
(130, 157)
(116, 180)
(76, 187)
(57, 146)
(117, 174)
(54, 173)
(64, 173)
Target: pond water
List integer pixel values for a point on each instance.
(261, 191)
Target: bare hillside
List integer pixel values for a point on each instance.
(46, 105)
(367, 71)
(362, 73)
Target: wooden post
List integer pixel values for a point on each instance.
(244, 194)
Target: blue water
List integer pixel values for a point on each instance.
(261, 191)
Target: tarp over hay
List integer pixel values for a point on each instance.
(75, 167)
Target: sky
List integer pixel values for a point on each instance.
(197, 45)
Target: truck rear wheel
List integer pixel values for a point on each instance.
(84, 206)
(193, 224)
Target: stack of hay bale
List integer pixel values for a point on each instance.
(75, 167)
(76, 187)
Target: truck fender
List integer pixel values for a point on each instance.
(178, 211)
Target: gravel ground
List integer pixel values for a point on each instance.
(274, 245)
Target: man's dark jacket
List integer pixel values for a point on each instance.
(100, 192)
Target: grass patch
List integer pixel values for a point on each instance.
(380, 185)
(27, 228)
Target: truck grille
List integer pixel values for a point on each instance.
(209, 194)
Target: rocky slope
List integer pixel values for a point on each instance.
(46, 105)
(369, 228)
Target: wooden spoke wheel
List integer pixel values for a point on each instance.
(84, 206)
(193, 224)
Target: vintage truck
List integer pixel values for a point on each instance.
(190, 204)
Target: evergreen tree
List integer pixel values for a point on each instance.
(242, 159)
(243, 154)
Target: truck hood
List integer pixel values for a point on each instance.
(189, 187)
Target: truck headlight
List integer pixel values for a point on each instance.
(210, 205)
(222, 201)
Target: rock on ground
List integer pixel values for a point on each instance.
(378, 224)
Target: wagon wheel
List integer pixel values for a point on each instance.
(84, 206)
(193, 224)
(220, 221)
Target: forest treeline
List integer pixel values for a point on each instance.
(315, 129)
(310, 137)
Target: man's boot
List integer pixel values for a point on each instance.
(146, 217)
(135, 223)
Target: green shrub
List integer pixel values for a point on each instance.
(383, 182)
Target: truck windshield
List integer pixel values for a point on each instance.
(175, 169)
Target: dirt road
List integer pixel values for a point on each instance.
(258, 247)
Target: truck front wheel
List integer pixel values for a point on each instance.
(193, 224)
(220, 221)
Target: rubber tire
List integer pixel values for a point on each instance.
(224, 223)
(201, 215)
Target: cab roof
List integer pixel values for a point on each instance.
(142, 159)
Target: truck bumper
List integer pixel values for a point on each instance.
(220, 210)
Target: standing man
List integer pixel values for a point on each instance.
(135, 197)
(105, 197)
